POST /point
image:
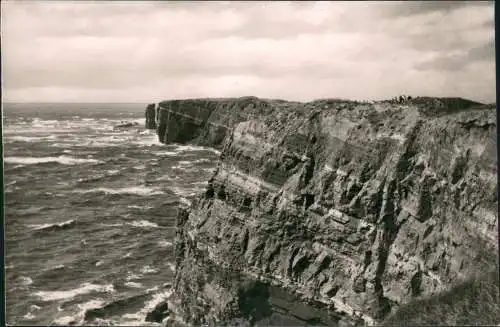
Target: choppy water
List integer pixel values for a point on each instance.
(90, 213)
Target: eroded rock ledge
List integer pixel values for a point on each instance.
(332, 211)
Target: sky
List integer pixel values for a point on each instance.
(65, 51)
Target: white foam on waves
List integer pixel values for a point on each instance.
(164, 244)
(113, 225)
(83, 308)
(189, 165)
(185, 201)
(202, 160)
(30, 139)
(143, 223)
(25, 280)
(146, 140)
(184, 191)
(84, 288)
(148, 132)
(113, 171)
(133, 284)
(63, 160)
(138, 317)
(168, 178)
(92, 304)
(37, 122)
(152, 289)
(148, 270)
(65, 320)
(45, 226)
(166, 153)
(127, 255)
(30, 314)
(131, 276)
(140, 121)
(140, 207)
(136, 190)
(14, 130)
(193, 148)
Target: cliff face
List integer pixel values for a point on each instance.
(206, 122)
(331, 210)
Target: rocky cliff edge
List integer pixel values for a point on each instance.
(332, 211)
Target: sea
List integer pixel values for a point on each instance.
(90, 212)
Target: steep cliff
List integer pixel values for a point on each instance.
(208, 122)
(332, 211)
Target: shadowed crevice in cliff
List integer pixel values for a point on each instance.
(253, 301)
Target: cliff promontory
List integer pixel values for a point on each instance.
(332, 211)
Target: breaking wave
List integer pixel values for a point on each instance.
(85, 288)
(30, 139)
(133, 190)
(143, 223)
(164, 244)
(194, 148)
(55, 226)
(25, 280)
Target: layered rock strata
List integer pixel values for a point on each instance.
(208, 122)
(332, 211)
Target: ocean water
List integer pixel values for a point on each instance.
(90, 212)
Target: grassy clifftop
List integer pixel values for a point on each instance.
(473, 302)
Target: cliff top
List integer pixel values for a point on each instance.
(419, 99)
(426, 105)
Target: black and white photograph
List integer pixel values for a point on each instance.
(249, 163)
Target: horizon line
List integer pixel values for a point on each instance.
(238, 97)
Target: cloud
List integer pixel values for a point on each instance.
(140, 51)
(453, 62)
(414, 8)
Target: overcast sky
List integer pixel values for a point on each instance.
(150, 51)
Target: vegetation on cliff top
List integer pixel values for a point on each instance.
(473, 302)
(430, 106)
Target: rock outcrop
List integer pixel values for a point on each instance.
(151, 116)
(124, 125)
(208, 122)
(332, 211)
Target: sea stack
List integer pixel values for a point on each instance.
(332, 211)
(151, 116)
